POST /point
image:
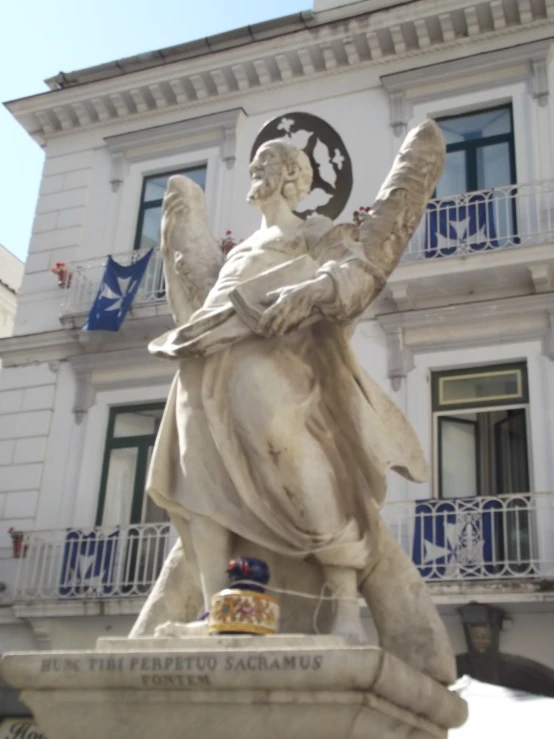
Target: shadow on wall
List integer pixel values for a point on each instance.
(516, 673)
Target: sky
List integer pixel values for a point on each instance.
(38, 39)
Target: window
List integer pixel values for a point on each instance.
(475, 205)
(481, 431)
(480, 151)
(481, 440)
(150, 213)
(130, 439)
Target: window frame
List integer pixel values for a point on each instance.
(438, 411)
(471, 146)
(155, 163)
(521, 399)
(125, 442)
(143, 207)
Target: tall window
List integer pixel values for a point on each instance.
(150, 213)
(480, 152)
(481, 422)
(481, 431)
(130, 439)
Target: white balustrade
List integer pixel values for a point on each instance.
(506, 536)
(86, 278)
(464, 539)
(105, 562)
(485, 220)
(457, 225)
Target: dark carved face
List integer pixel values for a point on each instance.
(266, 174)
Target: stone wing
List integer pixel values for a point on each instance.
(192, 256)
(403, 197)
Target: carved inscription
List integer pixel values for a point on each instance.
(182, 670)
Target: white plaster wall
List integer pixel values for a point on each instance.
(27, 398)
(17, 637)
(11, 274)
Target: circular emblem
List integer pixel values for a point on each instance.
(330, 161)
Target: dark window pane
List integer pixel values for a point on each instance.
(155, 186)
(476, 126)
(150, 234)
(150, 214)
(453, 180)
(501, 385)
(493, 166)
(139, 423)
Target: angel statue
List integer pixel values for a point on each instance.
(274, 441)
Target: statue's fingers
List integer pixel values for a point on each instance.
(271, 297)
(266, 322)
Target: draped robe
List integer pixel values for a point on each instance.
(285, 441)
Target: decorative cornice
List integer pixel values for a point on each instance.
(399, 34)
(218, 129)
(512, 64)
(102, 371)
(209, 130)
(516, 319)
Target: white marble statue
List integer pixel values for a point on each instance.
(273, 435)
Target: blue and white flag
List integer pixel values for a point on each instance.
(456, 537)
(451, 225)
(115, 294)
(88, 565)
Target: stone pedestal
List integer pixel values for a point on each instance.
(296, 687)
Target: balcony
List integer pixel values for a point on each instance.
(86, 277)
(520, 215)
(505, 537)
(499, 220)
(91, 564)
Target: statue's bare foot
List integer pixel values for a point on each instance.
(347, 622)
(176, 629)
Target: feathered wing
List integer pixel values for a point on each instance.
(192, 257)
(403, 197)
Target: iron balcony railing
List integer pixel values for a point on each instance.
(501, 537)
(465, 539)
(459, 225)
(486, 220)
(83, 280)
(103, 562)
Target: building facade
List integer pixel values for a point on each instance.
(462, 338)
(11, 274)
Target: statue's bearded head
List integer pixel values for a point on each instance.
(279, 167)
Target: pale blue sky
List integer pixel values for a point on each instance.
(38, 39)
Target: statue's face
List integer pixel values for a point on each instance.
(266, 174)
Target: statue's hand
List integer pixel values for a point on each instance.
(290, 306)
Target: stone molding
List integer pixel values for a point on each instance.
(438, 329)
(313, 48)
(218, 129)
(512, 64)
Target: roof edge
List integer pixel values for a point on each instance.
(189, 50)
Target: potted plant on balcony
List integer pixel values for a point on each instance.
(19, 549)
(64, 275)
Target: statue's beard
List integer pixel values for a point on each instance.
(261, 189)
